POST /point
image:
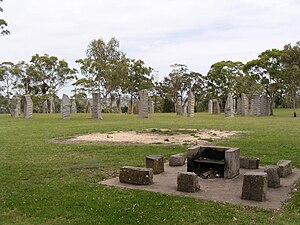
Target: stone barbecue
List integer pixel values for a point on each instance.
(213, 161)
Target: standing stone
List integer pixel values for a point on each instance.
(273, 176)
(216, 106)
(28, 107)
(151, 107)
(255, 186)
(178, 106)
(239, 106)
(45, 106)
(256, 105)
(234, 106)
(264, 105)
(119, 109)
(74, 106)
(191, 104)
(245, 104)
(15, 107)
(136, 175)
(143, 104)
(210, 106)
(52, 105)
(96, 114)
(229, 112)
(136, 109)
(88, 106)
(65, 107)
(129, 107)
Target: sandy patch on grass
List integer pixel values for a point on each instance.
(156, 136)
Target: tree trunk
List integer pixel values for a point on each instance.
(271, 106)
(294, 105)
(111, 104)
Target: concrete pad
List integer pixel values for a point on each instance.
(218, 189)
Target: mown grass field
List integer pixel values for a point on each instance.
(42, 182)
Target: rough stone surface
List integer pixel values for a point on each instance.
(245, 104)
(187, 182)
(284, 167)
(210, 106)
(264, 105)
(74, 106)
(51, 105)
(143, 103)
(177, 159)
(129, 107)
(255, 186)
(232, 163)
(88, 106)
(273, 176)
(15, 107)
(239, 106)
(119, 109)
(28, 107)
(45, 106)
(191, 105)
(249, 162)
(229, 110)
(179, 109)
(136, 175)
(215, 106)
(96, 113)
(156, 162)
(136, 105)
(66, 107)
(151, 107)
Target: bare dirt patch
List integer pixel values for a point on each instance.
(156, 136)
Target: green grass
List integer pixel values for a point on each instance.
(42, 182)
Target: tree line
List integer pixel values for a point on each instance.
(107, 69)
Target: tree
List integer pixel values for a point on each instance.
(3, 25)
(50, 74)
(267, 71)
(7, 79)
(291, 71)
(222, 79)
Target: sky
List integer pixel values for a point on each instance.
(196, 33)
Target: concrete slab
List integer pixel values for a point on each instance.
(219, 189)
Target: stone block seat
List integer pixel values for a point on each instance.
(156, 162)
(284, 167)
(273, 176)
(255, 186)
(187, 182)
(136, 175)
(177, 159)
(249, 162)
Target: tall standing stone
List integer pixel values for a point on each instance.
(52, 105)
(74, 106)
(245, 104)
(143, 105)
(256, 106)
(151, 107)
(45, 106)
(119, 109)
(210, 106)
(96, 113)
(136, 105)
(191, 104)
(239, 106)
(65, 107)
(229, 111)
(264, 105)
(215, 106)
(179, 110)
(129, 107)
(87, 106)
(28, 107)
(15, 107)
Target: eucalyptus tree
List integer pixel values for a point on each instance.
(7, 79)
(291, 71)
(3, 25)
(267, 70)
(222, 79)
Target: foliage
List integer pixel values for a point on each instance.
(267, 70)
(6, 79)
(3, 25)
(43, 182)
(291, 71)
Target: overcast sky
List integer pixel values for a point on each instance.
(196, 33)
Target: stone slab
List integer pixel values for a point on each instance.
(284, 168)
(255, 186)
(273, 176)
(156, 162)
(177, 159)
(187, 182)
(136, 175)
(249, 162)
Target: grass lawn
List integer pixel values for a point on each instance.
(46, 183)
